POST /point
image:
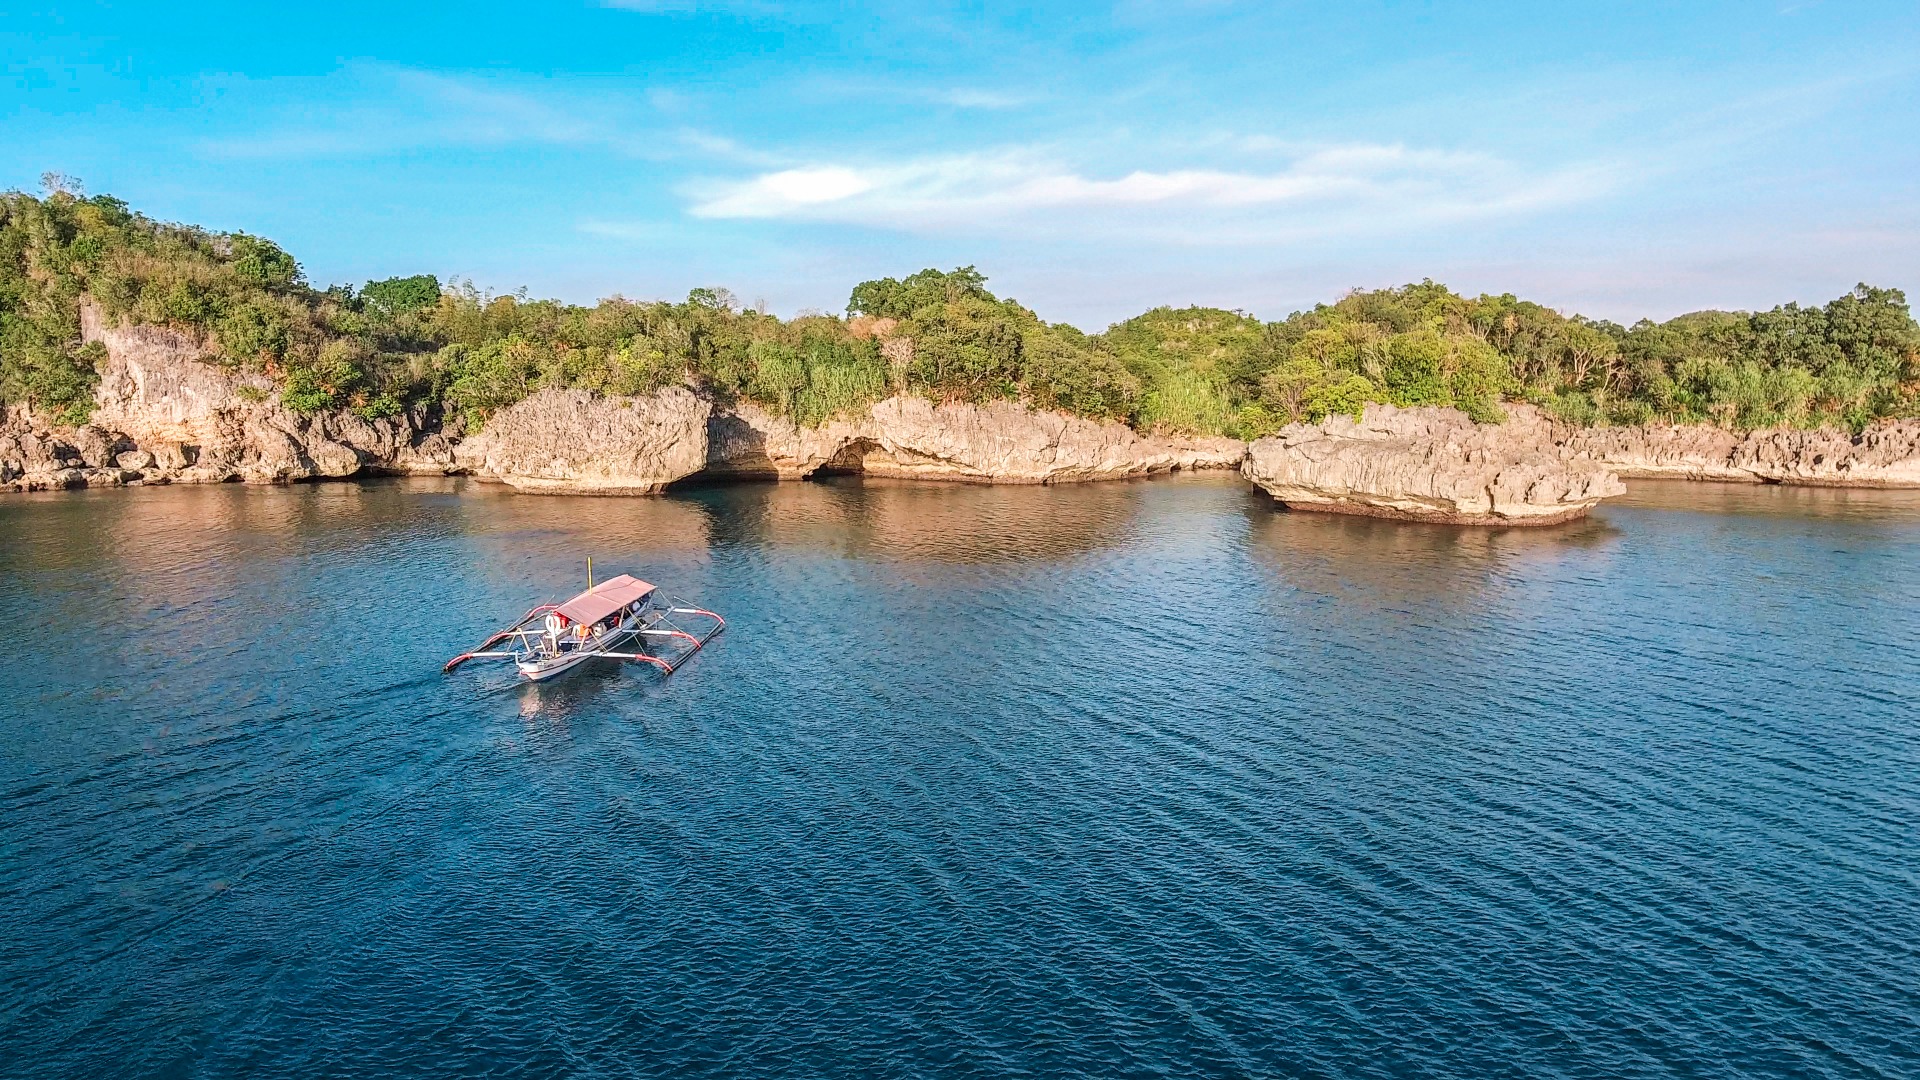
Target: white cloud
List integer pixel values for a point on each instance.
(809, 187)
(1333, 188)
(722, 148)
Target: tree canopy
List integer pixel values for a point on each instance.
(415, 342)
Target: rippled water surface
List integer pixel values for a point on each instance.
(1138, 779)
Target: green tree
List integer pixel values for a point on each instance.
(261, 262)
(396, 296)
(416, 343)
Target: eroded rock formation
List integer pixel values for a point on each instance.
(572, 441)
(998, 443)
(1428, 464)
(163, 415)
(1886, 454)
(745, 440)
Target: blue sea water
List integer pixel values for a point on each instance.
(1135, 779)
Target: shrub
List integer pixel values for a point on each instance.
(1345, 395)
(260, 262)
(379, 408)
(254, 334)
(406, 342)
(1077, 378)
(491, 377)
(1191, 403)
(398, 296)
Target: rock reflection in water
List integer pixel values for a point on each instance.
(539, 544)
(1774, 500)
(1145, 778)
(1377, 562)
(943, 522)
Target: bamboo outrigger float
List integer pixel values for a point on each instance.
(621, 611)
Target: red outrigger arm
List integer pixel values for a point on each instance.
(532, 614)
(670, 665)
(641, 657)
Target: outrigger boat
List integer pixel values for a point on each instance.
(623, 610)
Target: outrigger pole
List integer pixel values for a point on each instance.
(670, 665)
(551, 638)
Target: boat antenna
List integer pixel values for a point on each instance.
(589, 571)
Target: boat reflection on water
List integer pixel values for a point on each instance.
(1330, 776)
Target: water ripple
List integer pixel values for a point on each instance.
(1139, 779)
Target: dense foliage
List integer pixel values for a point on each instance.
(1851, 361)
(412, 342)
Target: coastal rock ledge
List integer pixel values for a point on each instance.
(575, 442)
(1884, 455)
(1001, 442)
(1427, 464)
(164, 414)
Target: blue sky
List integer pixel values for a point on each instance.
(1620, 159)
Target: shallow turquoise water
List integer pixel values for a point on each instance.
(1139, 779)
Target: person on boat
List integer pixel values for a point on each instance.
(555, 624)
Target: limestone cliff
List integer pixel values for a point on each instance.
(1428, 464)
(1886, 454)
(572, 441)
(745, 440)
(167, 412)
(164, 414)
(997, 443)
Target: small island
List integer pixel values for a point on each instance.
(140, 352)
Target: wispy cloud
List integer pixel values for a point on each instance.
(1357, 186)
(906, 92)
(647, 231)
(721, 148)
(696, 7)
(973, 98)
(388, 110)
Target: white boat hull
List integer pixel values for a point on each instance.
(548, 667)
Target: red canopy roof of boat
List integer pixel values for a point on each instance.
(604, 599)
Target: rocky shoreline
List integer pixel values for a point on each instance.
(1428, 465)
(1885, 455)
(1437, 465)
(163, 415)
